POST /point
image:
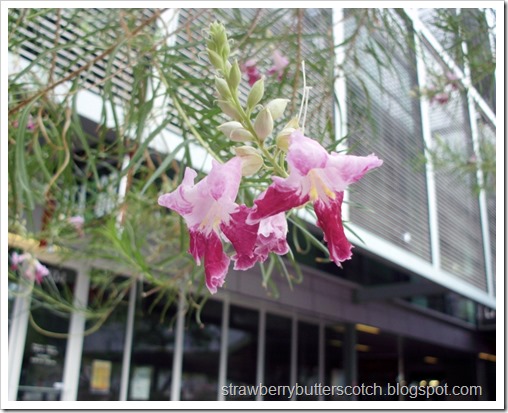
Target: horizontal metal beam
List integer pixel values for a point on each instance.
(398, 290)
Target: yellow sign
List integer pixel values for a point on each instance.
(101, 376)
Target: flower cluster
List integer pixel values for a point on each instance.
(280, 63)
(209, 207)
(29, 266)
(441, 90)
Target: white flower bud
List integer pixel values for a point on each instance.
(263, 125)
(222, 87)
(235, 76)
(228, 127)
(277, 107)
(241, 135)
(256, 94)
(229, 109)
(252, 161)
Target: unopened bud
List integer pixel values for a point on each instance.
(277, 107)
(256, 94)
(229, 109)
(263, 125)
(222, 88)
(252, 161)
(282, 139)
(235, 76)
(241, 135)
(228, 127)
(215, 59)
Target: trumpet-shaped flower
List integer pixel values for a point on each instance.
(251, 70)
(279, 64)
(209, 210)
(320, 178)
(253, 242)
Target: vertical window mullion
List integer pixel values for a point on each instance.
(223, 363)
(176, 380)
(74, 349)
(260, 373)
(124, 384)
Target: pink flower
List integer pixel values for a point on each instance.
(279, 64)
(30, 125)
(251, 70)
(77, 222)
(32, 269)
(441, 98)
(320, 178)
(253, 242)
(38, 270)
(209, 209)
(272, 234)
(17, 259)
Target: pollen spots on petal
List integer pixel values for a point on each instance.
(318, 188)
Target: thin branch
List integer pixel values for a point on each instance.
(72, 75)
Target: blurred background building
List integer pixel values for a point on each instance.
(415, 305)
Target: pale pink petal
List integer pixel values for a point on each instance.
(305, 154)
(40, 272)
(330, 221)
(224, 180)
(352, 168)
(279, 64)
(272, 236)
(177, 200)
(17, 259)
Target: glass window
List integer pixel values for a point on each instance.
(44, 354)
(334, 366)
(277, 353)
(200, 364)
(242, 349)
(308, 359)
(101, 363)
(153, 346)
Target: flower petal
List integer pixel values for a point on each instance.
(223, 180)
(272, 236)
(177, 200)
(277, 198)
(40, 272)
(243, 238)
(305, 154)
(330, 221)
(352, 168)
(216, 262)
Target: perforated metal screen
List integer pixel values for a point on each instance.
(383, 118)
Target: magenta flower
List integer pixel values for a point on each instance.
(209, 209)
(279, 64)
(272, 234)
(253, 242)
(251, 70)
(441, 98)
(320, 178)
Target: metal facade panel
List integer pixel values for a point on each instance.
(384, 118)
